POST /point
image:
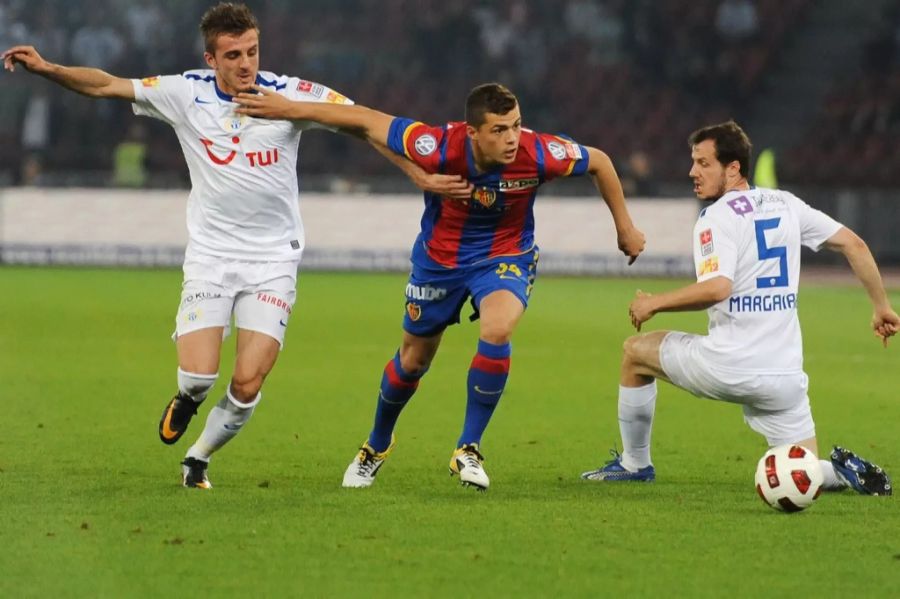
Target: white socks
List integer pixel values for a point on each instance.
(194, 385)
(636, 407)
(831, 482)
(225, 420)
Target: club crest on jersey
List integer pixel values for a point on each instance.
(425, 144)
(484, 196)
(709, 265)
(414, 311)
(706, 242)
(150, 81)
(234, 123)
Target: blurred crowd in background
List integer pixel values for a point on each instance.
(632, 77)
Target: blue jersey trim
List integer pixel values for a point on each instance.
(443, 156)
(222, 95)
(395, 134)
(581, 166)
(539, 154)
(275, 84)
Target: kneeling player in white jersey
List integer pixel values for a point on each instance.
(245, 236)
(747, 256)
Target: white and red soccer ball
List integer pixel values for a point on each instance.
(789, 478)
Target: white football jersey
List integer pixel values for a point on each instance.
(244, 192)
(753, 237)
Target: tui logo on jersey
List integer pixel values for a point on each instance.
(484, 196)
(216, 159)
(414, 311)
(426, 144)
(706, 242)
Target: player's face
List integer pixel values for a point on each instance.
(497, 139)
(708, 173)
(236, 61)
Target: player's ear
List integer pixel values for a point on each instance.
(210, 60)
(471, 131)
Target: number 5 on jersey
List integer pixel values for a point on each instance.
(770, 253)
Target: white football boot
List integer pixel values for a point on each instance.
(362, 470)
(467, 463)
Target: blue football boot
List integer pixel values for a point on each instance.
(613, 470)
(863, 476)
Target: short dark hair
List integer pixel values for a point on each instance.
(731, 144)
(228, 18)
(489, 97)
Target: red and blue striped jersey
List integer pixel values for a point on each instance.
(499, 218)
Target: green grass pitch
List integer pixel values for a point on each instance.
(91, 503)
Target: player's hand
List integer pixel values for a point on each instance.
(447, 186)
(26, 56)
(631, 242)
(885, 324)
(264, 104)
(641, 309)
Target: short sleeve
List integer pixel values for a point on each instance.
(418, 142)
(715, 247)
(162, 97)
(562, 156)
(303, 90)
(816, 227)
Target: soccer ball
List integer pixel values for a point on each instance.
(789, 478)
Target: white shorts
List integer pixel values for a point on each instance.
(775, 405)
(260, 295)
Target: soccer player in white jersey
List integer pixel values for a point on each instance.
(747, 257)
(245, 236)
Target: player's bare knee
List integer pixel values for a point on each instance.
(631, 349)
(414, 363)
(497, 333)
(245, 387)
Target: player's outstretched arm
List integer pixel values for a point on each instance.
(353, 118)
(697, 296)
(448, 186)
(90, 82)
(630, 239)
(885, 322)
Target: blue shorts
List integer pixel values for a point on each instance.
(435, 295)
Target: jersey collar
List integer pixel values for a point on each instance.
(225, 97)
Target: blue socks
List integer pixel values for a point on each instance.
(397, 386)
(487, 379)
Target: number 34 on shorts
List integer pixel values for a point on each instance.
(513, 271)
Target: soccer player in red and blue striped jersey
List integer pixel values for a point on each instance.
(481, 249)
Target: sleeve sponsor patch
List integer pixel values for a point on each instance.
(706, 242)
(150, 81)
(557, 150)
(425, 144)
(311, 88)
(708, 266)
(336, 98)
(563, 151)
